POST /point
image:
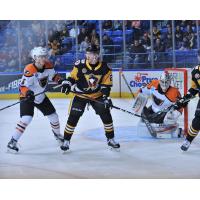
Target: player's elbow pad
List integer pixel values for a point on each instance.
(192, 91)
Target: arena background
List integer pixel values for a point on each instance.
(13, 65)
(128, 45)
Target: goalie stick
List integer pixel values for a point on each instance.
(125, 80)
(146, 121)
(149, 127)
(46, 90)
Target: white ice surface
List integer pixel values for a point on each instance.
(89, 157)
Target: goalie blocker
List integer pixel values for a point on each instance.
(162, 96)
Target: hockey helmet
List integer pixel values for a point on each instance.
(38, 52)
(39, 55)
(165, 81)
(93, 49)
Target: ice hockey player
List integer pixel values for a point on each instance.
(163, 95)
(192, 92)
(92, 78)
(34, 80)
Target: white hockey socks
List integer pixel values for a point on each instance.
(54, 121)
(21, 126)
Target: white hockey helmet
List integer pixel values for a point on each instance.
(165, 81)
(37, 52)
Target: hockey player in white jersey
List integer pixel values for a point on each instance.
(35, 80)
(164, 124)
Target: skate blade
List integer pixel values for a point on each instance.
(11, 151)
(66, 152)
(59, 142)
(114, 149)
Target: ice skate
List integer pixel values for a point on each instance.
(185, 146)
(65, 145)
(12, 146)
(113, 144)
(59, 138)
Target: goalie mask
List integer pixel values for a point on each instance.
(165, 81)
(39, 55)
(92, 54)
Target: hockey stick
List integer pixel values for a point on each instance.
(92, 99)
(46, 90)
(125, 80)
(148, 125)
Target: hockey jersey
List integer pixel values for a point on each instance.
(37, 80)
(91, 80)
(195, 81)
(161, 100)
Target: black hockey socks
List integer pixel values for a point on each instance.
(68, 132)
(109, 130)
(192, 133)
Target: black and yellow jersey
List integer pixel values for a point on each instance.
(195, 81)
(91, 80)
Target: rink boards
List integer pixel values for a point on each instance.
(9, 83)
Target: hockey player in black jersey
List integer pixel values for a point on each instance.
(92, 78)
(194, 90)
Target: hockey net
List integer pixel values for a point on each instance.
(180, 78)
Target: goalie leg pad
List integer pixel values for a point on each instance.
(171, 117)
(140, 103)
(166, 130)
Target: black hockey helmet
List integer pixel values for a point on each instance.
(93, 49)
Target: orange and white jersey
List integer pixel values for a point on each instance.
(37, 80)
(161, 100)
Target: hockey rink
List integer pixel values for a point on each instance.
(89, 156)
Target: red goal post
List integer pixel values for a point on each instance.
(180, 78)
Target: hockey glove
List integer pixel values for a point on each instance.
(66, 87)
(107, 102)
(183, 102)
(30, 95)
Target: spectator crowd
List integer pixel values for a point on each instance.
(17, 38)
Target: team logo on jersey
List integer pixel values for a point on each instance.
(92, 80)
(26, 72)
(84, 70)
(197, 76)
(157, 101)
(43, 81)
